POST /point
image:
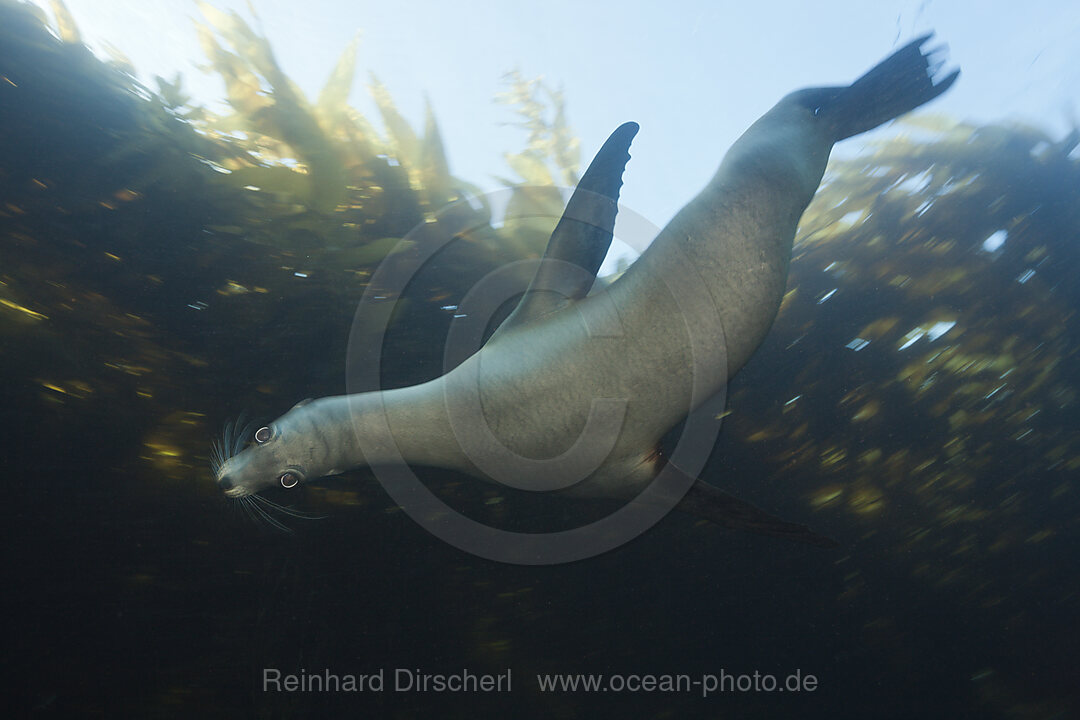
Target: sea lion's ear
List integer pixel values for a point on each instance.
(301, 404)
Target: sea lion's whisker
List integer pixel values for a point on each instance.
(236, 433)
(234, 438)
(267, 516)
(217, 456)
(287, 510)
(245, 506)
(242, 437)
(244, 509)
(227, 436)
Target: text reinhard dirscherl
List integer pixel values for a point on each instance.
(414, 680)
(401, 680)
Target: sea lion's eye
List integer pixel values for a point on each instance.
(288, 479)
(262, 435)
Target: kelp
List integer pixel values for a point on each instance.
(153, 249)
(552, 155)
(919, 387)
(159, 262)
(549, 164)
(324, 169)
(320, 167)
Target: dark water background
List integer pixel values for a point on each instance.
(132, 588)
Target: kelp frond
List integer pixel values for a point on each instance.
(552, 154)
(269, 103)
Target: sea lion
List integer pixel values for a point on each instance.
(622, 364)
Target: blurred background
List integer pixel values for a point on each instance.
(195, 197)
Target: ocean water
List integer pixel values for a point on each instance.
(165, 268)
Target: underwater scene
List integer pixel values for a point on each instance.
(324, 394)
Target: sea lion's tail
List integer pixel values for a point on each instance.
(898, 84)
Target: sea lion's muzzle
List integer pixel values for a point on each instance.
(230, 488)
(228, 481)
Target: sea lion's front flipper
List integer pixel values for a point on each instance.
(713, 504)
(583, 235)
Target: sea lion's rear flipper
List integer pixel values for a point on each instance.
(898, 84)
(713, 504)
(583, 235)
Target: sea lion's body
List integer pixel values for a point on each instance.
(659, 340)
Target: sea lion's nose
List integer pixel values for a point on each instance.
(225, 482)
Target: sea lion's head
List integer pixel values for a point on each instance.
(279, 454)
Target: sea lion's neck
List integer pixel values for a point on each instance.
(390, 426)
